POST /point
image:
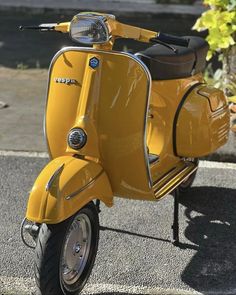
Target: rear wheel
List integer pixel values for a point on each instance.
(65, 253)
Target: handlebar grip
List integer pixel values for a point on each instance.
(42, 27)
(174, 40)
(22, 28)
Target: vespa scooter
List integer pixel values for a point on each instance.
(116, 124)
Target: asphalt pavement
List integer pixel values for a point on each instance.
(135, 254)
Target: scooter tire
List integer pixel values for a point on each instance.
(51, 253)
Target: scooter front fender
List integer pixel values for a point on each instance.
(64, 186)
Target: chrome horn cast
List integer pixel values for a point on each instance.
(29, 233)
(76, 249)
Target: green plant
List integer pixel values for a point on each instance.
(220, 21)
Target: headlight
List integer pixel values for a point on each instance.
(77, 138)
(89, 29)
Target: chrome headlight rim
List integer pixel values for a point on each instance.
(90, 16)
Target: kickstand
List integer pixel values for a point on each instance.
(97, 204)
(175, 225)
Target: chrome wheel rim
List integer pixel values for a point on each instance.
(76, 249)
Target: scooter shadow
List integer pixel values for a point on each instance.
(117, 293)
(211, 214)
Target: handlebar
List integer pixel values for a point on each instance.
(174, 40)
(42, 27)
(117, 30)
(59, 27)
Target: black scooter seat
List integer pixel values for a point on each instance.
(165, 64)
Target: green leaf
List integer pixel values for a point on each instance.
(218, 85)
(198, 26)
(220, 21)
(209, 19)
(209, 55)
(232, 5)
(231, 40)
(226, 16)
(218, 74)
(225, 29)
(232, 98)
(217, 3)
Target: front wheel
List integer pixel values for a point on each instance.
(65, 253)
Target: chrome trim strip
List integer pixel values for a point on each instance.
(135, 58)
(155, 162)
(190, 173)
(149, 78)
(164, 176)
(178, 183)
(220, 112)
(53, 177)
(72, 195)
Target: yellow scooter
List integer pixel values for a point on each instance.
(116, 124)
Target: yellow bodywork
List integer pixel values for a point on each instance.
(126, 116)
(101, 101)
(204, 118)
(128, 119)
(64, 186)
(110, 104)
(166, 96)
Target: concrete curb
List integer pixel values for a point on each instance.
(67, 7)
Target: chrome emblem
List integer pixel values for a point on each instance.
(66, 81)
(94, 62)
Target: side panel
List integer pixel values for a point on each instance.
(64, 186)
(110, 103)
(203, 123)
(165, 99)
